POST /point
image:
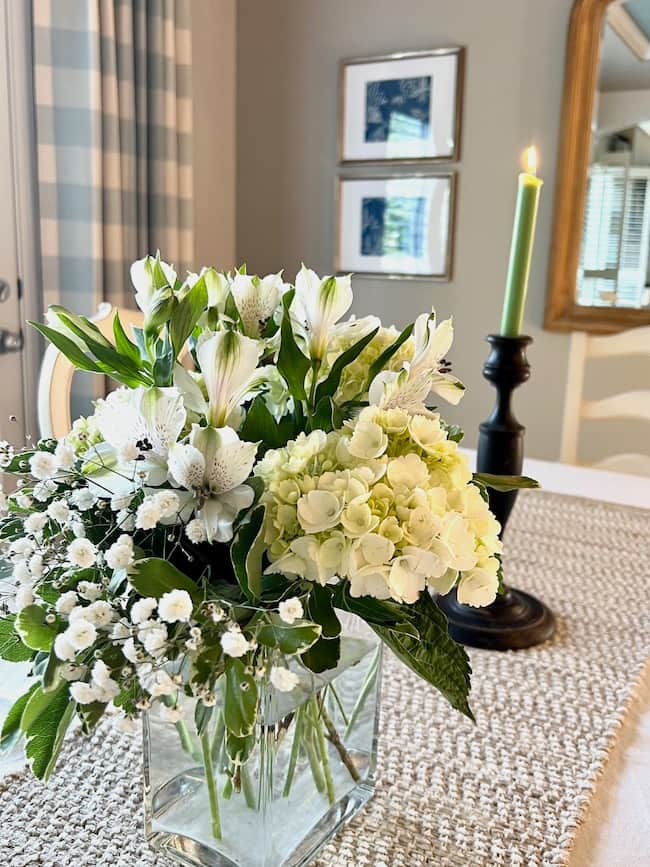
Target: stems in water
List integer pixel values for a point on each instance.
(212, 786)
(322, 749)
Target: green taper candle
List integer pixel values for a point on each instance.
(521, 248)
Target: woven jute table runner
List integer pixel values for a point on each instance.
(510, 790)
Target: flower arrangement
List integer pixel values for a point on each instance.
(262, 467)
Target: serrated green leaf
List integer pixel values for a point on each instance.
(46, 730)
(11, 647)
(246, 553)
(505, 483)
(289, 638)
(434, 656)
(292, 363)
(32, 628)
(11, 726)
(154, 577)
(240, 699)
(380, 363)
(328, 387)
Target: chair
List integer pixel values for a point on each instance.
(55, 378)
(626, 405)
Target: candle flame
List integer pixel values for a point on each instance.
(531, 160)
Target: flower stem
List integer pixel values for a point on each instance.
(295, 750)
(212, 787)
(185, 736)
(322, 748)
(336, 741)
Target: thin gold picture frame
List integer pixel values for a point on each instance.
(444, 277)
(454, 157)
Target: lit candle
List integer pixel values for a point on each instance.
(521, 248)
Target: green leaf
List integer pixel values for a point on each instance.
(187, 314)
(246, 553)
(292, 363)
(90, 715)
(202, 716)
(119, 366)
(380, 363)
(240, 700)
(68, 347)
(52, 672)
(32, 628)
(373, 611)
(260, 426)
(289, 638)
(454, 432)
(46, 730)
(324, 415)
(505, 483)
(239, 749)
(11, 727)
(11, 647)
(433, 656)
(320, 609)
(122, 342)
(328, 387)
(154, 577)
(323, 655)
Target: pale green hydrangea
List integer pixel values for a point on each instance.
(388, 503)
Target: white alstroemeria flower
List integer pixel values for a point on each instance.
(228, 362)
(217, 284)
(318, 305)
(143, 279)
(214, 465)
(409, 388)
(257, 299)
(152, 418)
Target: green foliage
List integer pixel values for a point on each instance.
(90, 715)
(239, 749)
(261, 427)
(289, 638)
(434, 656)
(382, 360)
(202, 716)
(19, 464)
(505, 483)
(11, 647)
(187, 314)
(246, 552)
(122, 342)
(454, 432)
(328, 387)
(323, 655)
(320, 609)
(154, 577)
(45, 721)
(292, 363)
(240, 700)
(11, 731)
(32, 628)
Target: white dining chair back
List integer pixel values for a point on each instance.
(55, 379)
(625, 405)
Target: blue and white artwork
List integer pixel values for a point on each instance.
(398, 109)
(393, 226)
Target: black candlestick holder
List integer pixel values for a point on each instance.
(515, 620)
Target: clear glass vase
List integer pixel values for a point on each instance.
(311, 769)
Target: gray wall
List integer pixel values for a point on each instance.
(288, 51)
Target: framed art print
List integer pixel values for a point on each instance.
(401, 107)
(396, 227)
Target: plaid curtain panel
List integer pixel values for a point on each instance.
(114, 134)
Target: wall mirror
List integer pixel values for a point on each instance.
(599, 278)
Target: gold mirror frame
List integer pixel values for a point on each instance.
(580, 80)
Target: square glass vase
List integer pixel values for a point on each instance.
(310, 768)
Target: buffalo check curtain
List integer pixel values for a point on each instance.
(112, 82)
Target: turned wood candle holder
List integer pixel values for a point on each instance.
(515, 620)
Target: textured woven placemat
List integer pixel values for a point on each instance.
(509, 791)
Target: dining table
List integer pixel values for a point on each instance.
(615, 831)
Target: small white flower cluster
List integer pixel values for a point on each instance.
(155, 508)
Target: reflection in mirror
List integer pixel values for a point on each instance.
(614, 267)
